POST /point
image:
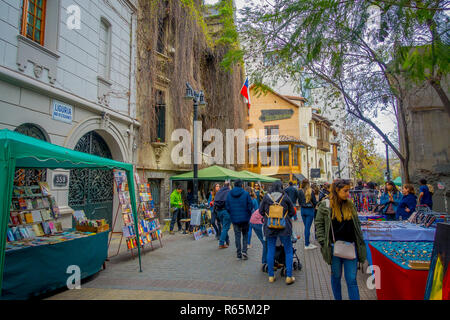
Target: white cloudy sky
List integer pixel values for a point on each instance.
(384, 121)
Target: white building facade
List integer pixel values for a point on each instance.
(67, 77)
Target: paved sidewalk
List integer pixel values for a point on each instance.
(187, 269)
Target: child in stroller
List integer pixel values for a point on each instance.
(280, 257)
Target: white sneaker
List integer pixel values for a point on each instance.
(310, 247)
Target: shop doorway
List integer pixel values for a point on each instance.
(92, 190)
(155, 189)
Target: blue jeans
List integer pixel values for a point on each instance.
(259, 233)
(287, 243)
(215, 221)
(225, 220)
(176, 216)
(308, 218)
(238, 229)
(350, 270)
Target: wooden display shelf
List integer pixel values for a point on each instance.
(48, 208)
(92, 229)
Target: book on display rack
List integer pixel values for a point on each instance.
(33, 219)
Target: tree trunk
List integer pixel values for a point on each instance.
(442, 95)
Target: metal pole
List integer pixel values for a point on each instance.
(388, 174)
(195, 180)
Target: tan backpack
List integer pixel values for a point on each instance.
(276, 220)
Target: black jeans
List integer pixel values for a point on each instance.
(176, 216)
(238, 229)
(215, 221)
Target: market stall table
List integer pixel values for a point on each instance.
(33, 271)
(394, 231)
(397, 280)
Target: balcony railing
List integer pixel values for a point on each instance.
(323, 145)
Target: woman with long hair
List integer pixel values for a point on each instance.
(408, 203)
(307, 201)
(390, 199)
(276, 194)
(214, 220)
(337, 220)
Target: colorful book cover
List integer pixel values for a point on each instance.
(58, 227)
(126, 208)
(34, 204)
(36, 216)
(126, 219)
(126, 232)
(31, 232)
(16, 233)
(40, 203)
(10, 235)
(22, 218)
(46, 228)
(22, 204)
(45, 189)
(46, 215)
(45, 202)
(52, 227)
(17, 192)
(28, 217)
(29, 204)
(55, 208)
(36, 191)
(15, 220)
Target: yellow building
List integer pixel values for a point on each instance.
(272, 113)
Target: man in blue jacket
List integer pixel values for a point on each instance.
(239, 206)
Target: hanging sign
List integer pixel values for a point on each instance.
(62, 112)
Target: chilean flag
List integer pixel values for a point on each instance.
(245, 91)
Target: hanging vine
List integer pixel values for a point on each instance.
(198, 58)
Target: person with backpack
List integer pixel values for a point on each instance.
(307, 201)
(425, 195)
(340, 238)
(223, 215)
(239, 205)
(277, 210)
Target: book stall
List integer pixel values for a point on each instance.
(37, 255)
(201, 222)
(149, 228)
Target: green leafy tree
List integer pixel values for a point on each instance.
(339, 44)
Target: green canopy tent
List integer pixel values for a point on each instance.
(213, 173)
(398, 181)
(218, 173)
(259, 177)
(20, 151)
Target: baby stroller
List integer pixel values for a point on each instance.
(280, 258)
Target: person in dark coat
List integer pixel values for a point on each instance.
(239, 205)
(276, 194)
(425, 196)
(308, 202)
(408, 203)
(223, 215)
(292, 192)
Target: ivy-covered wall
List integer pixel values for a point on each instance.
(210, 60)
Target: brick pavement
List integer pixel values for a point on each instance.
(187, 269)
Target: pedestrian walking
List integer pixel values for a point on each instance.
(324, 192)
(215, 221)
(176, 206)
(338, 227)
(292, 192)
(223, 215)
(408, 203)
(255, 206)
(425, 195)
(275, 198)
(256, 224)
(308, 202)
(239, 205)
